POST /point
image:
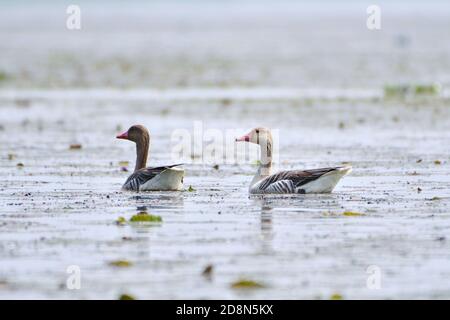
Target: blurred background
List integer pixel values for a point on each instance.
(223, 44)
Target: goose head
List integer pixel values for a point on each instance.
(260, 136)
(139, 135)
(136, 133)
(263, 138)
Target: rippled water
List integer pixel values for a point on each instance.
(60, 208)
(316, 78)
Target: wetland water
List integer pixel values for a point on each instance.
(60, 208)
(225, 67)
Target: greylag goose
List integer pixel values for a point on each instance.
(294, 181)
(144, 178)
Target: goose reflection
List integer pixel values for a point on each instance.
(266, 225)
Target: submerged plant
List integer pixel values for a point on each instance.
(336, 296)
(75, 146)
(121, 221)
(121, 263)
(3, 76)
(126, 297)
(352, 214)
(417, 90)
(145, 217)
(246, 284)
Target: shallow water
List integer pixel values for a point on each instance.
(60, 208)
(314, 74)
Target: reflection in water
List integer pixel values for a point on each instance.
(266, 224)
(153, 204)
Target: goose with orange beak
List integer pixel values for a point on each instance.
(163, 178)
(286, 182)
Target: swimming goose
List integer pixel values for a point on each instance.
(294, 181)
(163, 178)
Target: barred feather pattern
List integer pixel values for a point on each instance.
(291, 181)
(142, 176)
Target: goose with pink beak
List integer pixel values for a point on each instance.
(321, 180)
(162, 178)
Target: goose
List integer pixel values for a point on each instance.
(293, 181)
(163, 178)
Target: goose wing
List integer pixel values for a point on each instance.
(291, 181)
(140, 177)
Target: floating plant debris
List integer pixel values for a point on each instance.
(417, 90)
(121, 221)
(352, 214)
(190, 189)
(336, 296)
(437, 162)
(20, 165)
(121, 263)
(246, 284)
(75, 146)
(207, 272)
(124, 163)
(11, 156)
(126, 297)
(145, 217)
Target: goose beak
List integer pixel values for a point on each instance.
(245, 138)
(123, 135)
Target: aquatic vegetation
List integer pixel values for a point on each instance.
(126, 296)
(246, 284)
(427, 89)
(437, 162)
(336, 296)
(207, 272)
(121, 263)
(75, 146)
(145, 217)
(20, 165)
(124, 163)
(3, 76)
(352, 214)
(191, 189)
(391, 91)
(121, 221)
(11, 156)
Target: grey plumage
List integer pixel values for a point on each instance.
(142, 176)
(291, 181)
